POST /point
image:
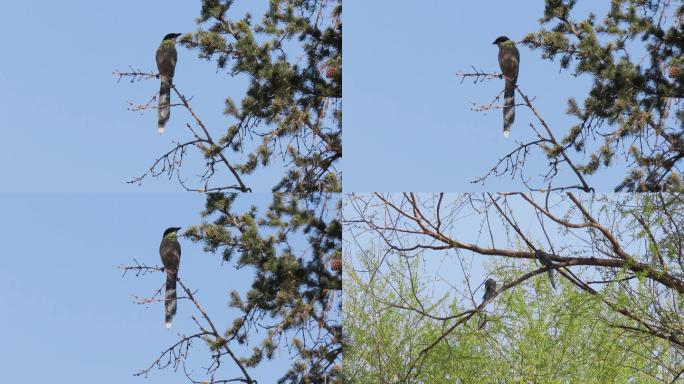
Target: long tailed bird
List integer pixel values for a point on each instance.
(170, 253)
(166, 64)
(490, 287)
(546, 260)
(509, 61)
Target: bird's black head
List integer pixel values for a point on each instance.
(171, 36)
(500, 39)
(171, 230)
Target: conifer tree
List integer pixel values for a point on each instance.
(631, 117)
(635, 55)
(288, 118)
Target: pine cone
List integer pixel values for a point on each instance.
(674, 72)
(336, 265)
(332, 71)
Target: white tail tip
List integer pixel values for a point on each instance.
(506, 133)
(160, 129)
(168, 325)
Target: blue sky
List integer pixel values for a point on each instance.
(68, 314)
(407, 118)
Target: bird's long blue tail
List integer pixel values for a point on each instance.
(164, 109)
(170, 302)
(509, 107)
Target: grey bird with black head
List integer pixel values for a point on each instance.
(170, 252)
(166, 64)
(546, 260)
(490, 287)
(509, 62)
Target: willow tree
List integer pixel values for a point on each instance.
(528, 334)
(618, 262)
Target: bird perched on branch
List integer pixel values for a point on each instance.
(166, 64)
(546, 260)
(509, 61)
(490, 287)
(170, 253)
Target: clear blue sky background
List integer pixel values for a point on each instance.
(408, 123)
(67, 217)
